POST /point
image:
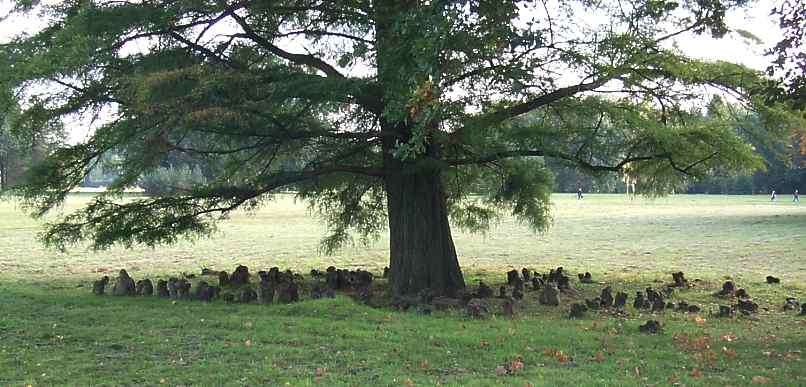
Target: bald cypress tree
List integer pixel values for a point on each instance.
(401, 115)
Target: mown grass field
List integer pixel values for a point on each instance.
(54, 332)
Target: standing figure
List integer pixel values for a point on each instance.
(772, 195)
(579, 193)
(795, 196)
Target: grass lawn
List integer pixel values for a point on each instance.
(54, 332)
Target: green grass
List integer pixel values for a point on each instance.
(53, 332)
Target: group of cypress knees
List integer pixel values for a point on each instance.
(556, 282)
(237, 286)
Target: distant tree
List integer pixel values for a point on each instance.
(22, 146)
(390, 113)
(790, 53)
(171, 180)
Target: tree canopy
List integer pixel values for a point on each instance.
(382, 115)
(790, 53)
(22, 145)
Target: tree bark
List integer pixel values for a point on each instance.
(422, 252)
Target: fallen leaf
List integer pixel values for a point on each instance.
(729, 353)
(484, 344)
(671, 379)
(598, 357)
(728, 337)
(699, 320)
(637, 371)
(760, 379)
(408, 382)
(695, 373)
(792, 355)
(424, 364)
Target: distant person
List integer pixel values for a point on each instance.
(772, 196)
(796, 196)
(579, 193)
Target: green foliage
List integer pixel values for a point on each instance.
(480, 91)
(788, 54)
(171, 180)
(350, 205)
(22, 144)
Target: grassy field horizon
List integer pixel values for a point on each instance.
(707, 235)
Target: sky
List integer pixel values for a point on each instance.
(733, 48)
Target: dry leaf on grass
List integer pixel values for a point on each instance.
(728, 337)
(728, 352)
(598, 357)
(760, 379)
(671, 379)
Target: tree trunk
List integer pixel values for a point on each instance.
(3, 175)
(420, 243)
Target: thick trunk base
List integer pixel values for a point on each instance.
(422, 252)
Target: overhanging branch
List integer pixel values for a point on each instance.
(300, 59)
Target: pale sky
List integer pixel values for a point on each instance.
(733, 48)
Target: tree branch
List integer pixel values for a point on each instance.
(499, 116)
(306, 60)
(538, 152)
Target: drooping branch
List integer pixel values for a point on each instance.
(300, 59)
(685, 170)
(489, 158)
(205, 51)
(498, 116)
(326, 33)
